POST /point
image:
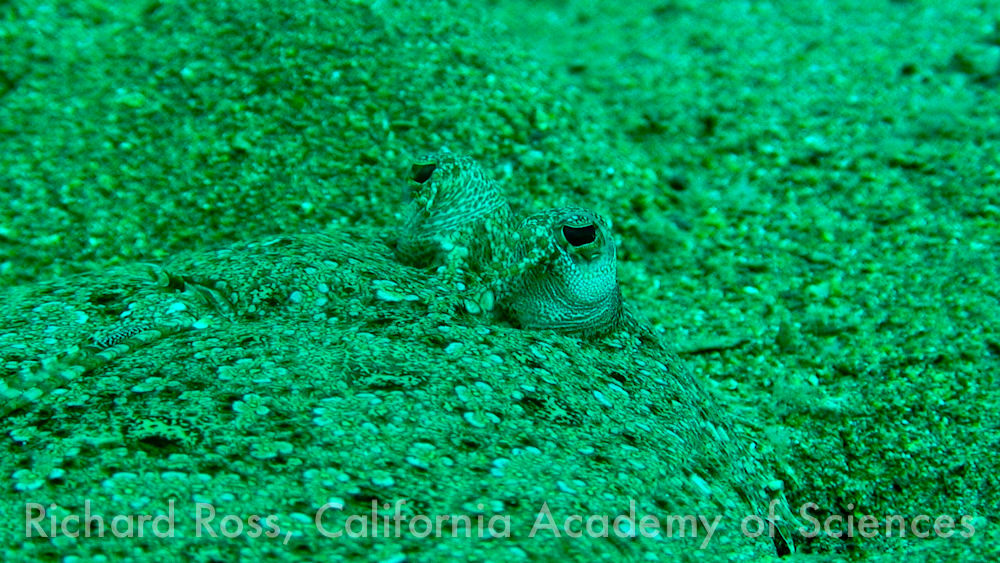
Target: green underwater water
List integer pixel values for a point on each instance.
(806, 198)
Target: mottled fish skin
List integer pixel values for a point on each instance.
(461, 258)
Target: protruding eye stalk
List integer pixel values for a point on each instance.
(449, 201)
(572, 285)
(554, 270)
(421, 172)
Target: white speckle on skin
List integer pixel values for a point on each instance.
(603, 400)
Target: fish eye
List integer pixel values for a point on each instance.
(420, 173)
(580, 236)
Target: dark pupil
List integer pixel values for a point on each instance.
(420, 173)
(579, 236)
